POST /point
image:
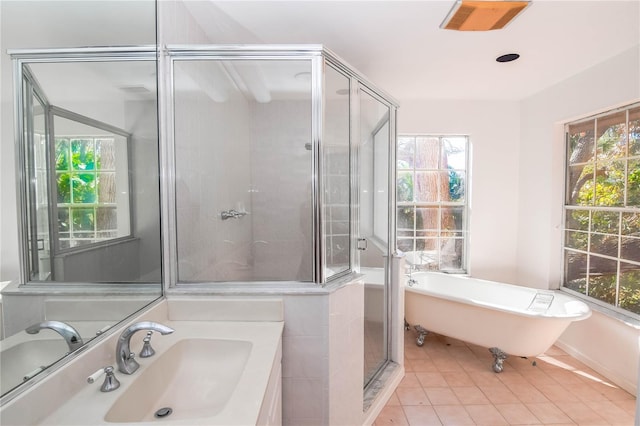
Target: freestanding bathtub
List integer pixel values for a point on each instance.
(506, 318)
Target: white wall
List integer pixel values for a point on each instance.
(602, 87)
(609, 346)
(494, 132)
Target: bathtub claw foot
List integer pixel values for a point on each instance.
(406, 325)
(422, 333)
(498, 356)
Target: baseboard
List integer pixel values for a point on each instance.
(383, 397)
(611, 375)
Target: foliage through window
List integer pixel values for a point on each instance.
(602, 208)
(88, 184)
(432, 201)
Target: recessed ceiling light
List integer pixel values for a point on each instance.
(483, 15)
(508, 57)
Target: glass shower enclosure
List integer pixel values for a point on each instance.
(280, 161)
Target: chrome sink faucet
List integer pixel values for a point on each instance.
(124, 357)
(70, 334)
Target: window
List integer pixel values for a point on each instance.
(91, 183)
(602, 208)
(432, 201)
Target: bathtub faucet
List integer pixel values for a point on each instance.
(125, 358)
(411, 282)
(70, 334)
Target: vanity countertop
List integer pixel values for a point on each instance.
(65, 398)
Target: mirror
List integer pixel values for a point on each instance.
(86, 253)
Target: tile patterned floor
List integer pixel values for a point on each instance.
(449, 382)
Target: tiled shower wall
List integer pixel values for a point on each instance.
(281, 170)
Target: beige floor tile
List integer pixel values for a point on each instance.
(517, 414)
(476, 366)
(408, 367)
(566, 377)
(485, 378)
(457, 378)
(611, 413)
(519, 363)
(409, 381)
(445, 363)
(548, 413)
(557, 393)
(392, 415)
(616, 394)
(454, 415)
(511, 376)
(580, 413)
(586, 393)
(485, 414)
(526, 392)
(450, 382)
(413, 352)
(431, 380)
(470, 395)
(499, 394)
(628, 405)
(441, 396)
(538, 377)
(423, 365)
(412, 396)
(393, 400)
(421, 416)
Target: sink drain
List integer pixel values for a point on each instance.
(163, 412)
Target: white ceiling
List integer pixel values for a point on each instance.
(399, 46)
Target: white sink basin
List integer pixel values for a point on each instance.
(194, 377)
(26, 357)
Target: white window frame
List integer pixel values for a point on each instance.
(594, 208)
(123, 203)
(419, 258)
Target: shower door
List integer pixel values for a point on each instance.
(374, 234)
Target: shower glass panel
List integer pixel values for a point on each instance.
(374, 230)
(336, 195)
(36, 168)
(243, 161)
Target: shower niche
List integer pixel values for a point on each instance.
(281, 158)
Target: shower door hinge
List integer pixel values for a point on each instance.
(362, 243)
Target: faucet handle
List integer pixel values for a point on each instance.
(147, 351)
(110, 383)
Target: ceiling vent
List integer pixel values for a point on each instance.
(482, 15)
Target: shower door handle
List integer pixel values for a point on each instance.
(362, 244)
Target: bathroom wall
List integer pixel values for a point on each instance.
(601, 340)
(282, 247)
(141, 121)
(494, 134)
